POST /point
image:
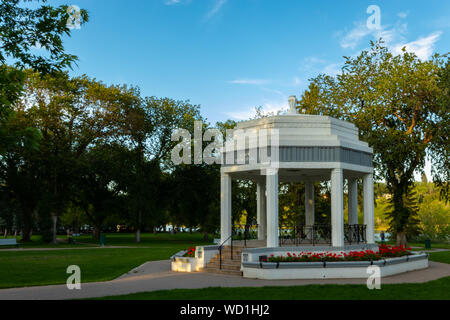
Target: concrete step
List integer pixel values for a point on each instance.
(234, 251)
(234, 261)
(228, 257)
(222, 271)
(225, 266)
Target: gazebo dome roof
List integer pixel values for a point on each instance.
(302, 130)
(300, 146)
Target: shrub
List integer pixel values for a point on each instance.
(190, 252)
(384, 251)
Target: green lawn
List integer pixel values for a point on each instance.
(116, 239)
(442, 256)
(432, 290)
(434, 245)
(33, 268)
(437, 289)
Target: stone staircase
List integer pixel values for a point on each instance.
(229, 266)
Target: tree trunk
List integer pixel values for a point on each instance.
(6, 233)
(205, 236)
(96, 232)
(137, 235)
(401, 239)
(155, 231)
(27, 226)
(55, 220)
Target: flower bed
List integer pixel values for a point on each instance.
(384, 251)
(190, 252)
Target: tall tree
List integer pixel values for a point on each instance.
(24, 27)
(146, 128)
(72, 115)
(396, 102)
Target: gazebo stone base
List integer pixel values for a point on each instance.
(333, 270)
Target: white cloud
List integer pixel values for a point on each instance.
(314, 60)
(171, 2)
(332, 69)
(394, 38)
(422, 47)
(250, 81)
(297, 81)
(402, 15)
(219, 4)
(272, 107)
(354, 36)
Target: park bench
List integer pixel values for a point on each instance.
(8, 242)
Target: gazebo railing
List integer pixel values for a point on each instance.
(244, 232)
(303, 234)
(355, 233)
(319, 234)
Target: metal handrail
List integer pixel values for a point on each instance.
(233, 233)
(247, 230)
(221, 246)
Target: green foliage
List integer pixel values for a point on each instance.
(433, 213)
(396, 102)
(23, 28)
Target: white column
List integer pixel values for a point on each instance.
(309, 203)
(369, 219)
(225, 208)
(352, 201)
(261, 215)
(272, 207)
(337, 208)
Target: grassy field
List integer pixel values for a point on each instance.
(116, 239)
(434, 245)
(442, 256)
(433, 290)
(33, 268)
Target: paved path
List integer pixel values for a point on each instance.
(156, 275)
(77, 248)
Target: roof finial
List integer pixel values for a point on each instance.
(292, 105)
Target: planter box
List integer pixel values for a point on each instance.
(332, 270)
(203, 255)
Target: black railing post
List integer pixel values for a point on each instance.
(220, 257)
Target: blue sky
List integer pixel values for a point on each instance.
(230, 56)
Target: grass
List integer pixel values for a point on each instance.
(33, 268)
(442, 256)
(115, 239)
(434, 245)
(432, 290)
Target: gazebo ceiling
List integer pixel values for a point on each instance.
(294, 175)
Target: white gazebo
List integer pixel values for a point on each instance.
(298, 148)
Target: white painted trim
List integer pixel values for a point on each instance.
(331, 273)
